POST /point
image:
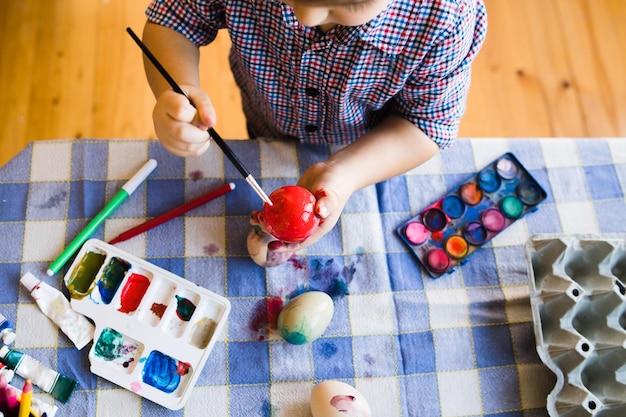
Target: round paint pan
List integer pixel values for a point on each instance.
(493, 220)
(506, 168)
(456, 247)
(471, 193)
(453, 206)
(434, 219)
(437, 260)
(416, 233)
(475, 233)
(511, 206)
(489, 180)
(529, 193)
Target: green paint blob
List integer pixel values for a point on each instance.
(84, 274)
(108, 344)
(511, 206)
(184, 308)
(111, 279)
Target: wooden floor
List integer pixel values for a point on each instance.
(68, 69)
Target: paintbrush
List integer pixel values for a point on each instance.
(173, 213)
(214, 135)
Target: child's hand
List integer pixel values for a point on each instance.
(181, 128)
(331, 188)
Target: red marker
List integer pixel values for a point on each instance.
(175, 212)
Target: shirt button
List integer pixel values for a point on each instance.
(310, 128)
(312, 92)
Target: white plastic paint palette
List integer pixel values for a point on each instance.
(578, 300)
(154, 330)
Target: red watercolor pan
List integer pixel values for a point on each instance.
(438, 260)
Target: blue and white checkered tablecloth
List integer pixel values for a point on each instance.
(460, 345)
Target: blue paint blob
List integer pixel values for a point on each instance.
(434, 219)
(337, 288)
(160, 371)
(475, 233)
(328, 276)
(112, 277)
(266, 409)
(529, 193)
(453, 206)
(328, 350)
(489, 180)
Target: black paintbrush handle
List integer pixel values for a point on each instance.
(214, 135)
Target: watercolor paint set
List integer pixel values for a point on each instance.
(154, 330)
(447, 232)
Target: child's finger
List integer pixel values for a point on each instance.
(205, 116)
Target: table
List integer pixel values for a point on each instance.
(460, 345)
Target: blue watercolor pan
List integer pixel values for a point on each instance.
(154, 330)
(444, 234)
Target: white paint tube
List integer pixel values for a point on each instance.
(53, 304)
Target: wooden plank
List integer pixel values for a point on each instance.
(123, 101)
(521, 81)
(597, 54)
(17, 57)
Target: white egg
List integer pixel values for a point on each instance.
(338, 399)
(306, 317)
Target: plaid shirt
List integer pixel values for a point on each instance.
(413, 59)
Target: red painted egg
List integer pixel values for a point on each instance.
(291, 218)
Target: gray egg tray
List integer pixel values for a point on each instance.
(578, 300)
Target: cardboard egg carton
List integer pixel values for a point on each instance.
(578, 300)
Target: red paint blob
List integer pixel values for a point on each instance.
(291, 217)
(182, 368)
(274, 306)
(158, 309)
(133, 292)
(437, 260)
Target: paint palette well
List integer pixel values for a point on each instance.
(445, 233)
(578, 300)
(154, 330)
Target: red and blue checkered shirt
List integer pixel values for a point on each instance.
(413, 59)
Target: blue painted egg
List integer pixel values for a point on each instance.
(306, 317)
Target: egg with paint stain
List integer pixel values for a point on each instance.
(338, 399)
(306, 317)
(291, 216)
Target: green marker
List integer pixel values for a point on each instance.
(127, 190)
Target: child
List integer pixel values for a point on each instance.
(386, 78)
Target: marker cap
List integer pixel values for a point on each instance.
(7, 336)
